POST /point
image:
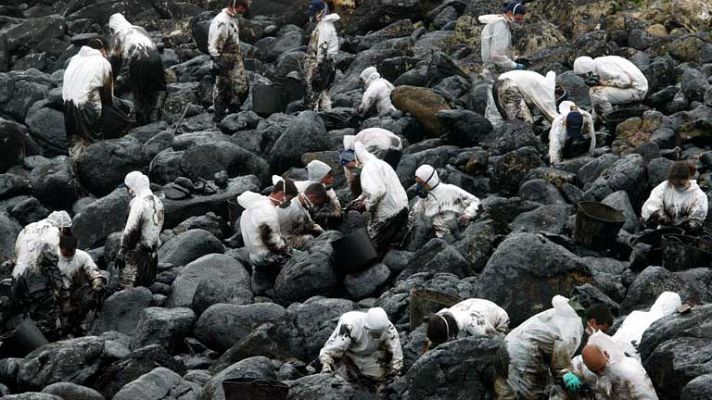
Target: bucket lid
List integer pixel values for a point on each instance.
(601, 212)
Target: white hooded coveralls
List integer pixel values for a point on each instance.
(323, 46)
(478, 317)
(128, 38)
(557, 133)
(259, 225)
(631, 331)
(87, 73)
(80, 263)
(542, 346)
(678, 205)
(382, 192)
(295, 223)
(351, 339)
(535, 89)
(377, 141)
(444, 201)
(621, 82)
(143, 227)
(318, 170)
(496, 43)
(378, 92)
(33, 237)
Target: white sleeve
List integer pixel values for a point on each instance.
(393, 345)
(556, 134)
(612, 75)
(338, 343)
(333, 44)
(369, 98)
(654, 202)
(589, 127)
(217, 35)
(471, 202)
(699, 206)
(372, 186)
(132, 230)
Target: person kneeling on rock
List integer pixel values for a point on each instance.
(572, 133)
(378, 93)
(515, 91)
(471, 317)
(678, 201)
(329, 214)
(446, 205)
(295, 222)
(367, 346)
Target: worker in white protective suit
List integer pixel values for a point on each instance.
(31, 239)
(615, 80)
(679, 201)
(609, 373)
(364, 348)
(320, 62)
(447, 206)
(516, 91)
(259, 225)
(378, 93)
(572, 133)
(147, 79)
(82, 283)
(539, 349)
(496, 38)
(382, 143)
(295, 221)
(471, 317)
(631, 331)
(382, 196)
(328, 214)
(231, 83)
(87, 88)
(140, 239)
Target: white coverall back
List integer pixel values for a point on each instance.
(478, 317)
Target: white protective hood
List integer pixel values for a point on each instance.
(537, 89)
(86, 74)
(317, 170)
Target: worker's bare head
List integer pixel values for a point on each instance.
(284, 190)
(238, 6)
(67, 245)
(680, 175)
(515, 11)
(97, 44)
(598, 318)
(316, 194)
(595, 358)
(441, 328)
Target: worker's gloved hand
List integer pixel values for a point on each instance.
(327, 369)
(464, 220)
(592, 80)
(121, 255)
(520, 66)
(360, 109)
(572, 382)
(691, 225)
(97, 285)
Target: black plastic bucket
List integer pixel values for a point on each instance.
(655, 240)
(26, 338)
(254, 389)
(354, 252)
(234, 209)
(597, 225)
(681, 252)
(424, 302)
(615, 117)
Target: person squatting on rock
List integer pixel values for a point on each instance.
(329, 214)
(539, 349)
(471, 317)
(147, 79)
(516, 91)
(320, 61)
(679, 201)
(382, 143)
(141, 236)
(572, 133)
(232, 85)
(378, 93)
(615, 80)
(364, 348)
(295, 222)
(86, 91)
(82, 284)
(496, 38)
(382, 196)
(259, 225)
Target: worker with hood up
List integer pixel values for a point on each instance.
(231, 83)
(572, 133)
(515, 91)
(295, 222)
(539, 348)
(87, 89)
(328, 214)
(615, 80)
(81, 285)
(367, 346)
(382, 196)
(141, 236)
(382, 143)
(471, 317)
(496, 38)
(259, 225)
(378, 93)
(678, 201)
(32, 238)
(631, 331)
(320, 62)
(445, 205)
(146, 74)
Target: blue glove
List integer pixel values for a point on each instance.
(572, 382)
(520, 66)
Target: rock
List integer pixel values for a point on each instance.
(161, 383)
(34, 30)
(650, 283)
(189, 246)
(72, 360)
(101, 218)
(253, 368)
(556, 177)
(423, 104)
(368, 282)
(510, 169)
(437, 256)
(204, 160)
(227, 281)
(325, 387)
(162, 326)
(9, 229)
(12, 185)
(699, 388)
(103, 165)
(549, 218)
(165, 166)
(32, 396)
(625, 174)
(476, 246)
(223, 325)
(305, 134)
(541, 191)
(210, 222)
(28, 211)
(463, 368)
(121, 311)
(55, 184)
(309, 273)
(16, 144)
(526, 271)
(267, 340)
(620, 201)
(512, 135)
(694, 84)
(687, 48)
(464, 128)
(314, 321)
(47, 128)
(659, 73)
(72, 391)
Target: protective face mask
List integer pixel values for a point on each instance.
(420, 191)
(285, 204)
